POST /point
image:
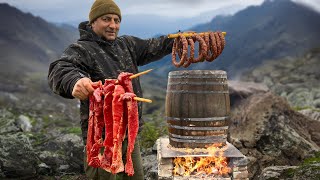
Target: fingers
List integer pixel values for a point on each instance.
(82, 89)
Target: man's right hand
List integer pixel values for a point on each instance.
(83, 88)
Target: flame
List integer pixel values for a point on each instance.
(215, 164)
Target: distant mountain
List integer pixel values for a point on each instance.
(272, 30)
(146, 26)
(28, 43)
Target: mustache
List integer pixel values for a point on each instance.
(111, 31)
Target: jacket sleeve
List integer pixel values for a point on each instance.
(67, 70)
(149, 50)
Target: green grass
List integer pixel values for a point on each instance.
(299, 108)
(307, 169)
(72, 130)
(152, 130)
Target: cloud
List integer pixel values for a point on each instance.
(314, 4)
(179, 8)
(68, 10)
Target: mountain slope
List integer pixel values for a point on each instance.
(296, 79)
(272, 30)
(28, 43)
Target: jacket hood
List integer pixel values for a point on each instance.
(87, 34)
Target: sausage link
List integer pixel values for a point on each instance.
(213, 47)
(180, 41)
(190, 59)
(218, 44)
(209, 48)
(222, 39)
(202, 48)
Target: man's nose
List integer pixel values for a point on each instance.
(112, 24)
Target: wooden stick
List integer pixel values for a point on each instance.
(142, 99)
(139, 74)
(190, 34)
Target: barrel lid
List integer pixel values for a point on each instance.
(200, 73)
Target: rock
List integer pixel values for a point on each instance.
(272, 132)
(315, 115)
(241, 90)
(275, 172)
(308, 171)
(154, 148)
(297, 79)
(24, 123)
(64, 168)
(70, 138)
(246, 89)
(44, 169)
(150, 166)
(63, 154)
(317, 103)
(17, 157)
(7, 122)
(301, 97)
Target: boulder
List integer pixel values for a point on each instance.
(24, 123)
(315, 115)
(17, 157)
(239, 90)
(7, 122)
(264, 126)
(275, 172)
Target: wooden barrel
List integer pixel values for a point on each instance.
(197, 108)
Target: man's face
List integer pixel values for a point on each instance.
(107, 26)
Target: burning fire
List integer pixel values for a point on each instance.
(215, 164)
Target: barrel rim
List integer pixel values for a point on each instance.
(199, 119)
(197, 92)
(222, 136)
(206, 141)
(198, 72)
(198, 128)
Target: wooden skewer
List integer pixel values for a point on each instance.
(139, 74)
(190, 34)
(142, 99)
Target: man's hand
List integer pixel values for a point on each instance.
(83, 88)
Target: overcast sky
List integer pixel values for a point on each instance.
(73, 10)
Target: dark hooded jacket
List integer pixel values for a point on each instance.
(98, 59)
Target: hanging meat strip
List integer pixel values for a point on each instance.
(98, 127)
(108, 90)
(125, 81)
(90, 133)
(133, 126)
(117, 113)
(94, 142)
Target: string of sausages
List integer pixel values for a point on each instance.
(211, 46)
